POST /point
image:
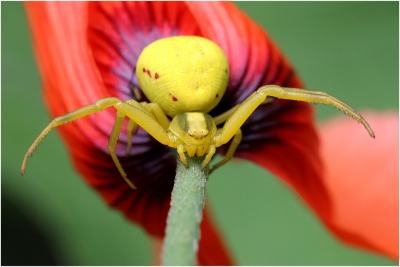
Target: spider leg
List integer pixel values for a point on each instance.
(314, 97)
(221, 118)
(237, 136)
(113, 143)
(211, 152)
(133, 111)
(156, 111)
(69, 117)
(139, 114)
(181, 152)
(131, 129)
(231, 151)
(244, 110)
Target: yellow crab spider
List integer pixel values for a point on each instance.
(185, 77)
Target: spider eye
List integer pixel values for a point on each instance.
(198, 134)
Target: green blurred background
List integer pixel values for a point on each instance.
(348, 49)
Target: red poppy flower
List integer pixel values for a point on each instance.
(87, 51)
(362, 179)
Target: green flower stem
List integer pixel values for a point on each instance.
(183, 223)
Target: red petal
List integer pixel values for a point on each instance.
(289, 147)
(362, 180)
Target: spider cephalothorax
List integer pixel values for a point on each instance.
(185, 77)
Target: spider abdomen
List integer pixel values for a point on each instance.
(183, 74)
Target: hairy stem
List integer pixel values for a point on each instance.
(183, 224)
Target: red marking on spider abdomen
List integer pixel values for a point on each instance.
(147, 71)
(173, 98)
(217, 95)
(156, 76)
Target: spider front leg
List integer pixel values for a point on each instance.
(112, 143)
(231, 150)
(69, 117)
(156, 111)
(313, 97)
(239, 114)
(237, 137)
(243, 112)
(137, 113)
(131, 129)
(132, 109)
(141, 116)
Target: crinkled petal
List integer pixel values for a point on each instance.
(362, 178)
